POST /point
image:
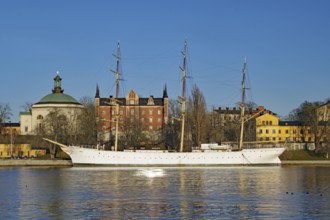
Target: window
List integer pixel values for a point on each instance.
(150, 120)
(40, 117)
(287, 131)
(159, 112)
(142, 120)
(270, 123)
(26, 129)
(142, 112)
(131, 102)
(267, 132)
(132, 111)
(159, 120)
(150, 112)
(279, 131)
(150, 127)
(260, 131)
(274, 131)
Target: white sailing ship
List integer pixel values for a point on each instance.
(208, 155)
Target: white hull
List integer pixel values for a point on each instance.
(86, 156)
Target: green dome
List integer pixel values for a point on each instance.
(59, 98)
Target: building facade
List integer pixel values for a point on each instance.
(269, 128)
(57, 100)
(150, 113)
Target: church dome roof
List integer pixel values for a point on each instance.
(58, 97)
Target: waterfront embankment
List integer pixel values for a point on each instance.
(34, 162)
(306, 162)
(59, 163)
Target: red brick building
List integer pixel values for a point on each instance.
(151, 113)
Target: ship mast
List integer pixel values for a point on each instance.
(115, 101)
(242, 106)
(182, 99)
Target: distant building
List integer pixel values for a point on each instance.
(270, 129)
(151, 113)
(10, 128)
(227, 121)
(30, 121)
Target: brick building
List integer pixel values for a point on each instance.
(151, 113)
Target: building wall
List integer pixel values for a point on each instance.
(269, 129)
(20, 150)
(150, 113)
(39, 112)
(25, 123)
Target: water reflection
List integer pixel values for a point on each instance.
(179, 193)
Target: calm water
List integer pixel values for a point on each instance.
(295, 192)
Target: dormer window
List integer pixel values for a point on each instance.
(151, 101)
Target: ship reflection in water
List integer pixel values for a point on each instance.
(296, 192)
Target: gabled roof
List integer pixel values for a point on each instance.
(291, 123)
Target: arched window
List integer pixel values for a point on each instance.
(40, 117)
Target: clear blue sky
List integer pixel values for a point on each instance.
(286, 43)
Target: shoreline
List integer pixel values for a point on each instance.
(34, 162)
(66, 163)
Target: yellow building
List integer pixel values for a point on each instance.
(10, 128)
(20, 150)
(270, 129)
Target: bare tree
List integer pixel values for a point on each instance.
(172, 128)
(27, 106)
(86, 123)
(5, 113)
(132, 135)
(54, 126)
(316, 115)
(197, 116)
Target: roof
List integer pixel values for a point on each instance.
(291, 123)
(142, 101)
(58, 98)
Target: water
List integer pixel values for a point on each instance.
(287, 192)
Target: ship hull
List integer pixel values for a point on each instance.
(260, 156)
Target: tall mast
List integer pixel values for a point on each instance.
(182, 98)
(117, 69)
(242, 105)
(116, 103)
